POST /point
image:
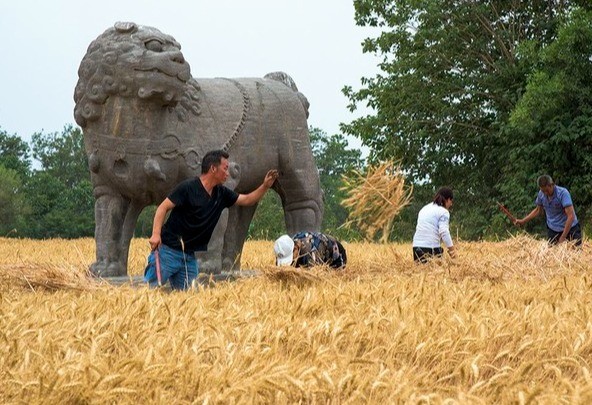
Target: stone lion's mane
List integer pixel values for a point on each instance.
(99, 78)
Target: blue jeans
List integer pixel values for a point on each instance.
(178, 267)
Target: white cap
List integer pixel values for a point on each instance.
(283, 248)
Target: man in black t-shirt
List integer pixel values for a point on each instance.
(196, 205)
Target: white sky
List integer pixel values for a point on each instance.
(315, 41)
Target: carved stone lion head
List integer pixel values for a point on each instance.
(129, 60)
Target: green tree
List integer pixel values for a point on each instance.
(60, 192)
(145, 222)
(14, 154)
(452, 72)
(552, 121)
(268, 222)
(47, 219)
(62, 155)
(13, 207)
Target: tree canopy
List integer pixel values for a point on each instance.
(459, 84)
(551, 124)
(14, 154)
(52, 200)
(12, 203)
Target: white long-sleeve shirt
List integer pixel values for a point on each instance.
(432, 227)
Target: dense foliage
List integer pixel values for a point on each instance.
(53, 200)
(482, 96)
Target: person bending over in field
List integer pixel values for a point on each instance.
(555, 201)
(432, 228)
(307, 249)
(196, 205)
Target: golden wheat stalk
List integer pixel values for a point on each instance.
(291, 275)
(468, 330)
(376, 198)
(47, 276)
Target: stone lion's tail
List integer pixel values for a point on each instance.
(288, 81)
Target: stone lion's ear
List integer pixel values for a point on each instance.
(125, 27)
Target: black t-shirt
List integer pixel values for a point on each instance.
(195, 215)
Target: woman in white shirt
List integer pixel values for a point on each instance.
(432, 228)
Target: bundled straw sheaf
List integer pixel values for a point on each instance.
(294, 276)
(47, 276)
(375, 198)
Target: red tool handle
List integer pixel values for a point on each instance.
(507, 212)
(157, 260)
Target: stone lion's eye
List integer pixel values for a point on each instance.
(154, 45)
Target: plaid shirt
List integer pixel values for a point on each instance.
(314, 248)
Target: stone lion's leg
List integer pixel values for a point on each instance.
(99, 265)
(210, 261)
(129, 225)
(305, 215)
(110, 210)
(302, 200)
(239, 219)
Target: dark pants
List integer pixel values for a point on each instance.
(422, 254)
(574, 234)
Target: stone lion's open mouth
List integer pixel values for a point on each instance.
(182, 74)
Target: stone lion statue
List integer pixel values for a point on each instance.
(147, 124)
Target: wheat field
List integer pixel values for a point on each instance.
(504, 322)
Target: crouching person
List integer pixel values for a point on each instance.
(307, 249)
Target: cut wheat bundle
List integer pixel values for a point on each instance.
(375, 198)
(292, 275)
(48, 277)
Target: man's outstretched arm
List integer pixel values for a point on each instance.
(254, 196)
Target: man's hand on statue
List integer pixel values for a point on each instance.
(270, 178)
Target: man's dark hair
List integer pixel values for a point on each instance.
(545, 180)
(212, 158)
(443, 194)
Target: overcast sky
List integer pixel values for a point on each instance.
(314, 41)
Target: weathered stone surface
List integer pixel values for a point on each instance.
(206, 280)
(147, 124)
